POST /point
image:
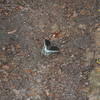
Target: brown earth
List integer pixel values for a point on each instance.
(25, 73)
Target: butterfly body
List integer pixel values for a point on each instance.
(48, 48)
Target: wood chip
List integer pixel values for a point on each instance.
(12, 32)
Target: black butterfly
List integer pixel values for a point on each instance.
(48, 48)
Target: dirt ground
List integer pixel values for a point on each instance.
(25, 73)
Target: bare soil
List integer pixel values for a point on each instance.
(25, 73)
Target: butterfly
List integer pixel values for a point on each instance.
(48, 48)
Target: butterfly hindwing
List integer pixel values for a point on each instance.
(48, 49)
(54, 49)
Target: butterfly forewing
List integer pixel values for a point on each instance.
(53, 49)
(47, 43)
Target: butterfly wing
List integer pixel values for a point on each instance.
(53, 49)
(48, 49)
(47, 43)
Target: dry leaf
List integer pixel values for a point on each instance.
(13, 86)
(19, 8)
(85, 12)
(5, 67)
(85, 89)
(6, 13)
(57, 35)
(50, 94)
(29, 71)
(18, 46)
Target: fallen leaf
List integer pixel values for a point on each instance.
(50, 94)
(21, 53)
(6, 13)
(85, 89)
(11, 32)
(13, 86)
(29, 71)
(19, 7)
(5, 67)
(84, 12)
(57, 35)
(18, 46)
